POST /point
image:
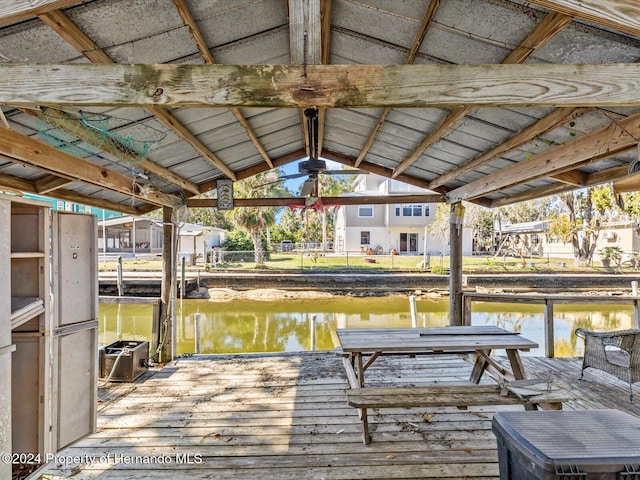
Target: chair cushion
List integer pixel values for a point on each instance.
(617, 357)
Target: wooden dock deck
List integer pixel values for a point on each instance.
(285, 416)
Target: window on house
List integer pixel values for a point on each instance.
(365, 210)
(365, 238)
(426, 210)
(411, 210)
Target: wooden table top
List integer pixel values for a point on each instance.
(430, 339)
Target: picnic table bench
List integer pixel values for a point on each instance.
(472, 343)
(445, 395)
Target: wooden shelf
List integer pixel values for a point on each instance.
(24, 309)
(27, 255)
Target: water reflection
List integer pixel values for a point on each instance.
(279, 326)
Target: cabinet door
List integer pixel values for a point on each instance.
(75, 342)
(75, 269)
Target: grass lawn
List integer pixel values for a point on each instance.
(392, 263)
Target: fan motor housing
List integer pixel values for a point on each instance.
(312, 166)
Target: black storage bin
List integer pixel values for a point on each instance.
(567, 445)
(133, 358)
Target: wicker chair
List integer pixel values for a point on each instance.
(617, 353)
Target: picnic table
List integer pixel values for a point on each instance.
(361, 347)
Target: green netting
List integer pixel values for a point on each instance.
(89, 132)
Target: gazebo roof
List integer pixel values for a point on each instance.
(490, 101)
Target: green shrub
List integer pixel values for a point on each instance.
(439, 270)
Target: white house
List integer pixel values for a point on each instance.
(137, 235)
(382, 228)
(533, 239)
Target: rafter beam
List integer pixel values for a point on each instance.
(325, 40)
(629, 183)
(198, 38)
(26, 186)
(49, 183)
(338, 86)
(572, 177)
(71, 125)
(595, 178)
(12, 11)
(605, 142)
(283, 202)
(542, 33)
(305, 44)
(174, 124)
(551, 121)
(49, 159)
(427, 19)
(256, 169)
(621, 15)
(68, 30)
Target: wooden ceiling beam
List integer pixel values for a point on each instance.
(305, 45)
(591, 179)
(198, 38)
(607, 141)
(325, 41)
(621, 15)
(73, 35)
(256, 169)
(49, 183)
(26, 150)
(283, 202)
(540, 35)
(13, 11)
(571, 177)
(336, 86)
(26, 186)
(555, 119)
(532, 194)
(427, 19)
(168, 120)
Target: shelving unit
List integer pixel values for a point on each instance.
(30, 326)
(48, 343)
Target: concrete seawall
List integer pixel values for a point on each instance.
(148, 283)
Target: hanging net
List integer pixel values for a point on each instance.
(84, 134)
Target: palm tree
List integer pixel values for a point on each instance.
(256, 220)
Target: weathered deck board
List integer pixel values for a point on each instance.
(286, 417)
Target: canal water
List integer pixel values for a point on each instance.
(243, 326)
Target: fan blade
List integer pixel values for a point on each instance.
(344, 172)
(282, 179)
(293, 175)
(308, 187)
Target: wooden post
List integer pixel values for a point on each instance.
(466, 310)
(119, 280)
(548, 328)
(183, 281)
(413, 310)
(166, 317)
(455, 264)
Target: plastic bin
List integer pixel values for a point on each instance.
(563, 445)
(133, 357)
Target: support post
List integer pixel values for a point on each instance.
(119, 280)
(466, 310)
(168, 280)
(413, 310)
(455, 264)
(548, 328)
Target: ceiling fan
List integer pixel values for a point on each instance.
(314, 166)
